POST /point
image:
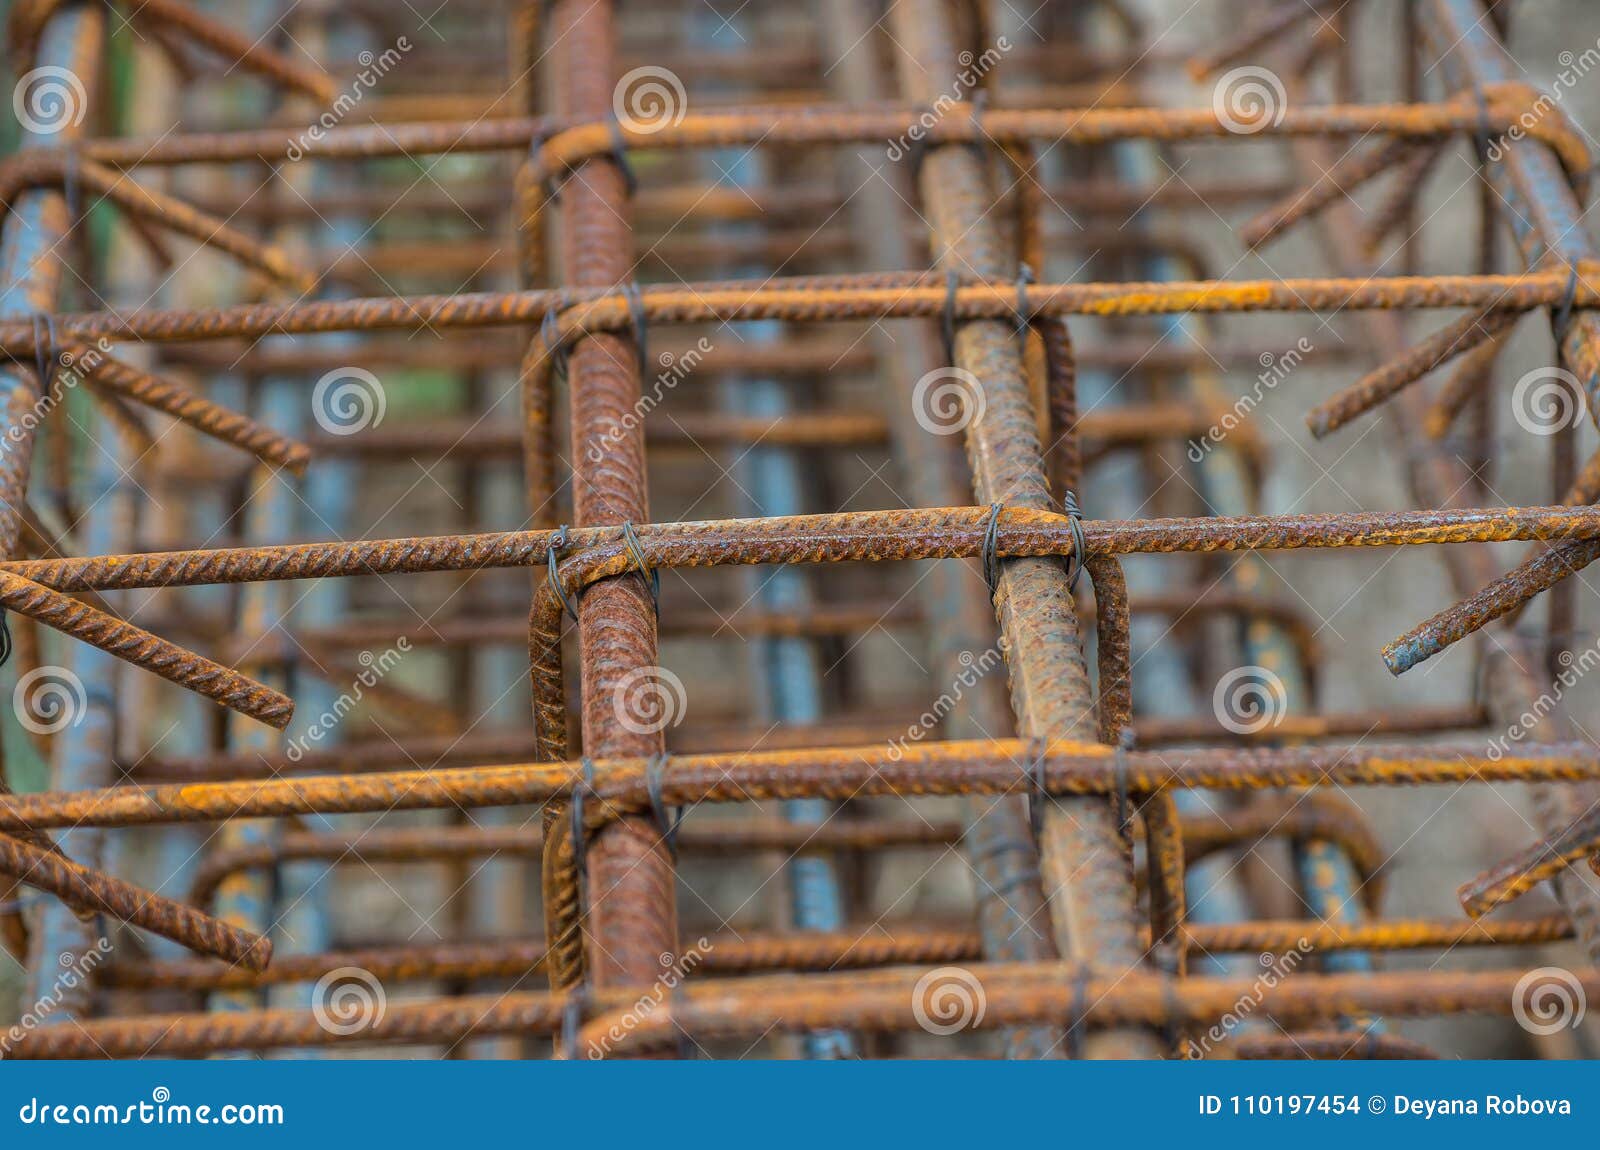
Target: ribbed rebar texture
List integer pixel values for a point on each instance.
(792, 530)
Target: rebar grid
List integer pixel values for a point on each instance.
(754, 263)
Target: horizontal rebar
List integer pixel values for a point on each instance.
(996, 766)
(1063, 993)
(814, 299)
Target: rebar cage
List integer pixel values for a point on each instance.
(1003, 733)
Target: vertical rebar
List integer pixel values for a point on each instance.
(632, 922)
(999, 844)
(1087, 866)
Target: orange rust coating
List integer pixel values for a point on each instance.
(674, 203)
(1503, 109)
(631, 905)
(885, 945)
(428, 961)
(588, 314)
(880, 1000)
(1316, 816)
(1525, 870)
(1165, 871)
(976, 767)
(1383, 382)
(1055, 992)
(429, 844)
(1353, 169)
(1268, 937)
(90, 890)
(195, 672)
(173, 213)
(49, 168)
(239, 49)
(811, 299)
(1155, 729)
(478, 133)
(191, 408)
(812, 539)
(916, 534)
(720, 954)
(1505, 597)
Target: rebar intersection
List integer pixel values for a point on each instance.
(1090, 934)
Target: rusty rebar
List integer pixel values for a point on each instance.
(1082, 940)
(969, 767)
(220, 684)
(83, 888)
(1064, 993)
